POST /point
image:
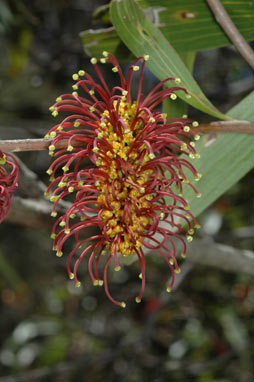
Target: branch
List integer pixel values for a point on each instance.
(233, 126)
(222, 18)
(224, 257)
(35, 214)
(207, 252)
(15, 145)
(39, 144)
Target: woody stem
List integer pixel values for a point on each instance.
(15, 145)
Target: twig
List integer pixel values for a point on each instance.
(39, 144)
(233, 126)
(232, 32)
(224, 257)
(15, 145)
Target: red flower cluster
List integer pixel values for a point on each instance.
(124, 165)
(9, 174)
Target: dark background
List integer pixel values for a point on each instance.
(51, 331)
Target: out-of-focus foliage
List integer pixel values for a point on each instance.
(51, 331)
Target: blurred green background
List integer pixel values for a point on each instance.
(51, 331)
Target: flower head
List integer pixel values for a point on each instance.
(124, 165)
(9, 173)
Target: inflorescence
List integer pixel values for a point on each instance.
(125, 168)
(9, 174)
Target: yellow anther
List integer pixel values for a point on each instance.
(138, 300)
(117, 269)
(53, 198)
(114, 69)
(195, 124)
(123, 304)
(91, 92)
(71, 276)
(62, 223)
(169, 289)
(75, 94)
(135, 68)
(53, 236)
(60, 128)
(198, 195)
(196, 137)
(146, 57)
(53, 214)
(173, 96)
(67, 230)
(178, 80)
(75, 87)
(70, 148)
(177, 270)
(65, 168)
(189, 238)
(76, 124)
(77, 284)
(49, 171)
(58, 99)
(61, 184)
(183, 255)
(55, 113)
(81, 72)
(93, 60)
(59, 254)
(186, 129)
(75, 77)
(71, 189)
(164, 115)
(105, 53)
(96, 283)
(102, 60)
(72, 216)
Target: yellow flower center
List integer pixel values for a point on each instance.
(120, 189)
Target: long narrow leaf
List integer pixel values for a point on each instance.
(142, 37)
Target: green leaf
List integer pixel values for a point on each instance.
(223, 162)
(188, 25)
(142, 37)
(178, 108)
